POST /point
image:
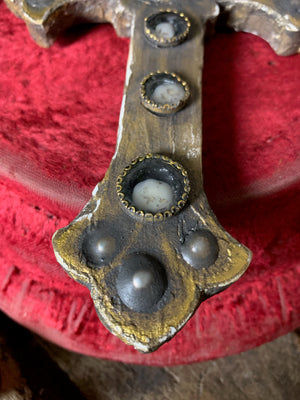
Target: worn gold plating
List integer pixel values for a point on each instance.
(166, 108)
(148, 216)
(173, 41)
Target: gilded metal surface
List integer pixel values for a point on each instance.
(177, 136)
(188, 287)
(277, 21)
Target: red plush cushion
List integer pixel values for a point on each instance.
(58, 123)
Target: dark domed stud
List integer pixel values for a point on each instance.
(153, 187)
(164, 93)
(200, 249)
(141, 283)
(98, 247)
(166, 28)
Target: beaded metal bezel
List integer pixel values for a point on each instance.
(149, 216)
(176, 39)
(167, 108)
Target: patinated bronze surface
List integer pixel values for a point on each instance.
(186, 254)
(277, 21)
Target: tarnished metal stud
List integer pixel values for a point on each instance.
(141, 283)
(200, 249)
(164, 93)
(98, 247)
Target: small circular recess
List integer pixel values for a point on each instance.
(141, 282)
(167, 28)
(97, 247)
(164, 93)
(200, 249)
(153, 187)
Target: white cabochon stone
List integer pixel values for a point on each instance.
(165, 30)
(168, 93)
(152, 195)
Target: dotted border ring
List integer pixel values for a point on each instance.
(166, 108)
(175, 40)
(149, 216)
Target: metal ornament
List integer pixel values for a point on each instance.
(149, 267)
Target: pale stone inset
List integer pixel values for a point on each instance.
(168, 93)
(152, 195)
(165, 30)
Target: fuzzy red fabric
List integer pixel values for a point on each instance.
(58, 122)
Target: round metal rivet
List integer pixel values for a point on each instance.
(200, 249)
(97, 246)
(166, 28)
(141, 282)
(142, 279)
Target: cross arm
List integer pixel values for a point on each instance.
(276, 21)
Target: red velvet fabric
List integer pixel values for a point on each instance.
(58, 122)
